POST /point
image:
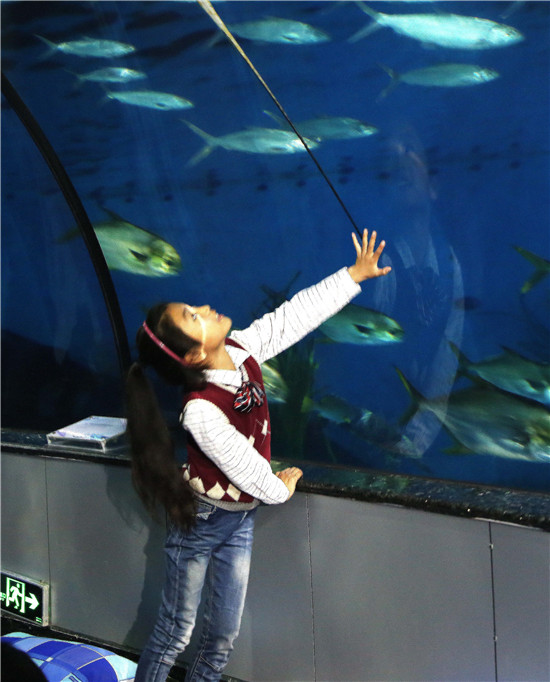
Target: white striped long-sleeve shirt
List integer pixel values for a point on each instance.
(263, 339)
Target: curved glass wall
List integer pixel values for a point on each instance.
(431, 128)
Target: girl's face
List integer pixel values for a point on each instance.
(200, 323)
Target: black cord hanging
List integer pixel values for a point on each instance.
(209, 9)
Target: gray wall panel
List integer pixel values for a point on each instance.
(102, 553)
(24, 516)
(522, 603)
(399, 595)
(276, 640)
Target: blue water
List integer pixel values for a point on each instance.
(454, 178)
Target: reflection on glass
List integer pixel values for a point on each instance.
(431, 125)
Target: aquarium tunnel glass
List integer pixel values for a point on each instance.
(425, 121)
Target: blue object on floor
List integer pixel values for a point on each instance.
(62, 661)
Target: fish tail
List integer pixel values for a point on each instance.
(205, 136)
(79, 78)
(52, 47)
(462, 359)
(541, 268)
(416, 398)
(370, 28)
(393, 83)
(368, 10)
(200, 155)
(210, 140)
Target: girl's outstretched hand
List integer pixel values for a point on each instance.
(366, 265)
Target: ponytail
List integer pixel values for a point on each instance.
(156, 475)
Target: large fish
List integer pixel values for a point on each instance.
(443, 29)
(90, 47)
(442, 76)
(330, 127)
(252, 141)
(132, 249)
(363, 326)
(485, 420)
(542, 268)
(276, 30)
(511, 372)
(150, 99)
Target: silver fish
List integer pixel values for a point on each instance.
(485, 420)
(111, 74)
(252, 141)
(330, 127)
(90, 47)
(442, 76)
(511, 372)
(277, 30)
(446, 30)
(151, 99)
(542, 268)
(132, 249)
(363, 326)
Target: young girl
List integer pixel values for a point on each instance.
(211, 505)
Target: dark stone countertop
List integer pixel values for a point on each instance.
(469, 500)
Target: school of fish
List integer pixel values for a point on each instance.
(505, 410)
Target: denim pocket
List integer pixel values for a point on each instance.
(204, 510)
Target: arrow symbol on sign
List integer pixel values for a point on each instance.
(33, 601)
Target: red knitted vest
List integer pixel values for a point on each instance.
(204, 476)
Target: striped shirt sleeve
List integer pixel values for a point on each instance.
(232, 453)
(305, 311)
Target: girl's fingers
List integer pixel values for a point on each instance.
(356, 244)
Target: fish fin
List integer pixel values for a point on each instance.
(79, 78)
(535, 279)
(214, 40)
(200, 155)
(49, 43)
(542, 267)
(416, 398)
(395, 77)
(370, 28)
(115, 216)
(462, 359)
(210, 141)
(364, 32)
(368, 10)
(281, 122)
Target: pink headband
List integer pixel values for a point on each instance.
(163, 347)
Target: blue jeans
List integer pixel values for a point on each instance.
(215, 553)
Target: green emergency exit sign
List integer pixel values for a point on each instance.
(25, 598)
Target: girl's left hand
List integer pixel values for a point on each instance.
(366, 265)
